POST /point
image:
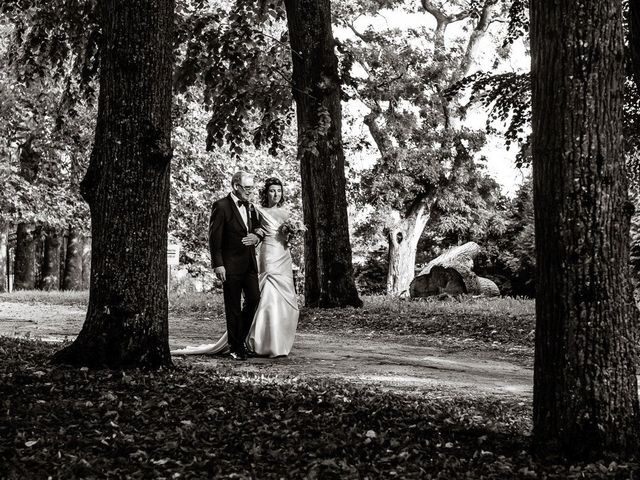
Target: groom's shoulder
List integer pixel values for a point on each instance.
(221, 202)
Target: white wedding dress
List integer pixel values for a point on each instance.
(276, 319)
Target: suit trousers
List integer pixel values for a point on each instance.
(239, 317)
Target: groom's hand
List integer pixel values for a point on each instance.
(221, 273)
(251, 240)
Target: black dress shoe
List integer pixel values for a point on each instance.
(238, 356)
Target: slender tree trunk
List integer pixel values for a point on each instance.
(4, 241)
(63, 256)
(403, 243)
(329, 279)
(585, 391)
(127, 188)
(72, 279)
(24, 269)
(86, 262)
(51, 262)
(39, 239)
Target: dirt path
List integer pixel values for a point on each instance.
(387, 363)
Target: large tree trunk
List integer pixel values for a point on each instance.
(24, 269)
(403, 240)
(127, 188)
(51, 263)
(329, 280)
(72, 279)
(4, 243)
(585, 391)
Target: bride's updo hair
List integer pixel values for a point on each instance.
(269, 182)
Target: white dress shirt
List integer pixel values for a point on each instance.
(241, 209)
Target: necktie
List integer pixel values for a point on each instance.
(245, 204)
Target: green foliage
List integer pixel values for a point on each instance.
(518, 20)
(467, 205)
(512, 254)
(239, 55)
(42, 152)
(371, 275)
(236, 51)
(507, 97)
(197, 179)
(55, 39)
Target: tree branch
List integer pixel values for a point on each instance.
(380, 136)
(284, 44)
(442, 21)
(476, 36)
(389, 81)
(365, 38)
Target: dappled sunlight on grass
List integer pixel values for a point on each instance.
(196, 302)
(201, 301)
(455, 305)
(52, 297)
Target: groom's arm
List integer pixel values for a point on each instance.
(216, 227)
(258, 231)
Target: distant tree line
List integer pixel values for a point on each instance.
(45, 259)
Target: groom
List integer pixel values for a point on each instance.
(233, 257)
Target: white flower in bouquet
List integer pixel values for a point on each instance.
(292, 230)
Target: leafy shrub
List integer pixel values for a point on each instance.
(371, 276)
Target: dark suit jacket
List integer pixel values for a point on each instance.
(226, 231)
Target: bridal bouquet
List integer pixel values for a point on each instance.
(292, 230)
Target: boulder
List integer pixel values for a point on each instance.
(452, 273)
(438, 280)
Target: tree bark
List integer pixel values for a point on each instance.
(51, 263)
(86, 262)
(24, 270)
(4, 240)
(39, 240)
(403, 240)
(585, 389)
(73, 261)
(329, 279)
(127, 189)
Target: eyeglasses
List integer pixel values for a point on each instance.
(246, 189)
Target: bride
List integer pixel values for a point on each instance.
(276, 318)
